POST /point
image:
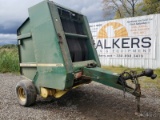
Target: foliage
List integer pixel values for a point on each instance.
(10, 46)
(122, 8)
(150, 6)
(130, 8)
(9, 59)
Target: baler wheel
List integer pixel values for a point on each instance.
(26, 93)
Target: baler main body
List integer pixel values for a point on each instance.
(56, 53)
(54, 44)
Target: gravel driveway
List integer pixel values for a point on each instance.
(89, 102)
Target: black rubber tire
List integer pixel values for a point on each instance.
(26, 93)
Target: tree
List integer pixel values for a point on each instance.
(150, 6)
(121, 8)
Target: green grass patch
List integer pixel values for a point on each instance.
(9, 59)
(120, 69)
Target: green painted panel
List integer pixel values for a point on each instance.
(25, 28)
(93, 53)
(27, 51)
(39, 14)
(46, 44)
(29, 72)
(47, 48)
(51, 79)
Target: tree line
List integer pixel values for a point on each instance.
(130, 8)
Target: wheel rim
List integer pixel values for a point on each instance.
(21, 94)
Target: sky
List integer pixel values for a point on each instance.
(14, 12)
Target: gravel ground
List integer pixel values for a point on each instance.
(88, 102)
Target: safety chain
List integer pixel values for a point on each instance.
(134, 78)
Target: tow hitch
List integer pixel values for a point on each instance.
(133, 76)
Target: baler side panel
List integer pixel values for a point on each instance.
(26, 50)
(47, 50)
(62, 40)
(92, 51)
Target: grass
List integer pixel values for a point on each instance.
(9, 59)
